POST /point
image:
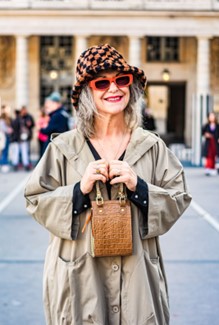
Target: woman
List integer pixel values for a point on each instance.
(5, 127)
(210, 131)
(42, 122)
(107, 147)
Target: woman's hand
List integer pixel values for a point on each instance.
(208, 135)
(95, 171)
(121, 172)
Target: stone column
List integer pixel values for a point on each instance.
(22, 91)
(203, 66)
(80, 46)
(135, 51)
(202, 98)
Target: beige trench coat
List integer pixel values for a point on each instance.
(80, 289)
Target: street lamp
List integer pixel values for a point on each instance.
(53, 74)
(166, 75)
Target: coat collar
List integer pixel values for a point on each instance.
(141, 141)
(74, 147)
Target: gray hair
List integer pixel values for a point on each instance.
(87, 109)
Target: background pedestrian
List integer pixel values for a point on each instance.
(210, 131)
(148, 120)
(58, 116)
(27, 125)
(41, 123)
(19, 143)
(6, 130)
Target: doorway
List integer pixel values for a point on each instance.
(167, 104)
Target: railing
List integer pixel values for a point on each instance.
(183, 153)
(191, 5)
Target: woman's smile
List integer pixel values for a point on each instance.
(113, 98)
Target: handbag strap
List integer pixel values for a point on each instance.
(121, 195)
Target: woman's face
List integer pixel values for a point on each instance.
(113, 100)
(212, 118)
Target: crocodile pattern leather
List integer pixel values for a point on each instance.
(111, 229)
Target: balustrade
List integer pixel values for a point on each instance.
(159, 5)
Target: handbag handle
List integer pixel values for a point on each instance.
(121, 195)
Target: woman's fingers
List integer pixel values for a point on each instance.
(121, 172)
(95, 171)
(99, 170)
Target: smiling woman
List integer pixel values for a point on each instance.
(109, 189)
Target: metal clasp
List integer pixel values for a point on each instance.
(122, 199)
(99, 200)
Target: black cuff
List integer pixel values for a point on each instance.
(140, 196)
(140, 199)
(81, 203)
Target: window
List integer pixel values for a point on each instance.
(56, 58)
(165, 49)
(56, 52)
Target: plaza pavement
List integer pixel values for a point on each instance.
(190, 250)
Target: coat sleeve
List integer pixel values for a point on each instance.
(168, 195)
(47, 199)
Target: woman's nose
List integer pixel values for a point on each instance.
(113, 86)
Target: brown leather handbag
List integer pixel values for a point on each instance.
(111, 225)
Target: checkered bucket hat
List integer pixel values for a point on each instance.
(99, 58)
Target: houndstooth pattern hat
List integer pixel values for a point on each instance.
(99, 58)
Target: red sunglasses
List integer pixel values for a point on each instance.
(104, 83)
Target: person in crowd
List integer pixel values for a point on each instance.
(6, 130)
(42, 122)
(15, 140)
(27, 125)
(210, 132)
(107, 147)
(59, 118)
(19, 143)
(148, 121)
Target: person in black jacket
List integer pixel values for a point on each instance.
(210, 131)
(27, 125)
(27, 122)
(59, 118)
(19, 143)
(148, 121)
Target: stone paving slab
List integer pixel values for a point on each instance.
(8, 182)
(22, 239)
(21, 294)
(194, 293)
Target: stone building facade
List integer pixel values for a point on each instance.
(176, 42)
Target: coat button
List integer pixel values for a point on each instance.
(115, 309)
(115, 267)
